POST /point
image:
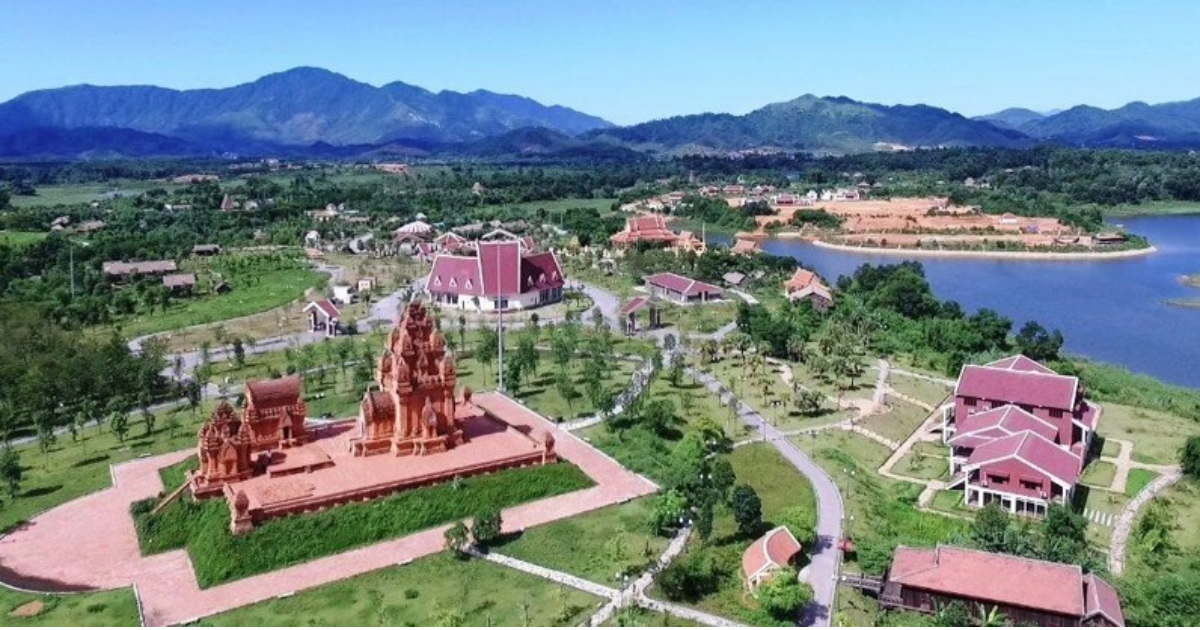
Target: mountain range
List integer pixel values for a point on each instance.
(315, 112)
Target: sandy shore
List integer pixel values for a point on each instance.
(966, 253)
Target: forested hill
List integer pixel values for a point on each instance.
(816, 124)
(302, 106)
(1136, 125)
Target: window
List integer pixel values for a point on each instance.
(1026, 408)
(1027, 484)
(1056, 413)
(994, 478)
(970, 401)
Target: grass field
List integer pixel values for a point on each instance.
(559, 205)
(898, 422)
(1138, 478)
(919, 388)
(1156, 436)
(438, 590)
(701, 318)
(950, 501)
(79, 194)
(636, 617)
(1153, 208)
(926, 460)
(600, 546)
(784, 493)
(218, 556)
(105, 608)
(271, 289)
(21, 239)
(1099, 474)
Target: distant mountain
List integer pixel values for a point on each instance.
(298, 107)
(91, 143)
(818, 124)
(1167, 125)
(1012, 118)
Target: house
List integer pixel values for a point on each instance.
(450, 242)
(1018, 433)
(1109, 238)
(641, 306)
(87, 227)
(497, 276)
(60, 223)
(734, 278)
(816, 294)
(416, 229)
(768, 556)
(647, 228)
(206, 250)
(343, 294)
(120, 269)
(227, 203)
(325, 215)
(744, 247)
(681, 290)
(179, 282)
(323, 316)
(366, 284)
(733, 190)
(1026, 591)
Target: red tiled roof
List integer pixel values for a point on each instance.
(1010, 419)
(991, 577)
(455, 274)
(540, 272)
(743, 246)
(647, 227)
(682, 285)
(175, 280)
(635, 305)
(1021, 363)
(326, 307)
(1033, 450)
(799, 280)
(775, 549)
(279, 392)
(501, 265)
(1035, 388)
(1101, 599)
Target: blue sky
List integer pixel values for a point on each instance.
(630, 61)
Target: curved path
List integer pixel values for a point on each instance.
(1124, 524)
(825, 566)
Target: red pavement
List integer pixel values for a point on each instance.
(90, 543)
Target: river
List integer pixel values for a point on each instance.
(1109, 310)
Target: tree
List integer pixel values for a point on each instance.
(239, 353)
(1154, 533)
(991, 528)
(721, 477)
(704, 518)
(486, 527)
(462, 331)
(172, 424)
(658, 415)
(1035, 342)
(747, 510)
(487, 345)
(670, 508)
(514, 372)
(952, 615)
(148, 421)
(528, 354)
(119, 422)
(456, 538)
(677, 368)
(1189, 457)
(566, 387)
(1064, 536)
(783, 595)
(11, 471)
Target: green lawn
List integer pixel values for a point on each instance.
(85, 193)
(881, 513)
(637, 617)
(559, 205)
(1099, 474)
(438, 590)
(21, 239)
(1111, 448)
(1138, 478)
(335, 398)
(1156, 436)
(926, 460)
(785, 495)
(270, 289)
(71, 469)
(645, 452)
(599, 546)
(919, 388)
(898, 422)
(218, 556)
(700, 318)
(104, 608)
(950, 501)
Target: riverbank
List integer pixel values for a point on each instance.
(1190, 281)
(970, 253)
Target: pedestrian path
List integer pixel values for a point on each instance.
(1103, 519)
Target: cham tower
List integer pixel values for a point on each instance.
(413, 410)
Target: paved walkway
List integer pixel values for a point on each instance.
(1124, 523)
(52, 555)
(823, 570)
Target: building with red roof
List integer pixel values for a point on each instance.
(681, 290)
(1024, 590)
(496, 276)
(323, 316)
(652, 229)
(1018, 433)
(637, 307)
(769, 555)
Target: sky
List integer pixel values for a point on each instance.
(631, 61)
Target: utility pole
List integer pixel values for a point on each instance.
(71, 249)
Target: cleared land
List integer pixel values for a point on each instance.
(898, 422)
(21, 239)
(438, 590)
(1099, 474)
(1156, 436)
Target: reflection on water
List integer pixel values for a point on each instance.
(1113, 311)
